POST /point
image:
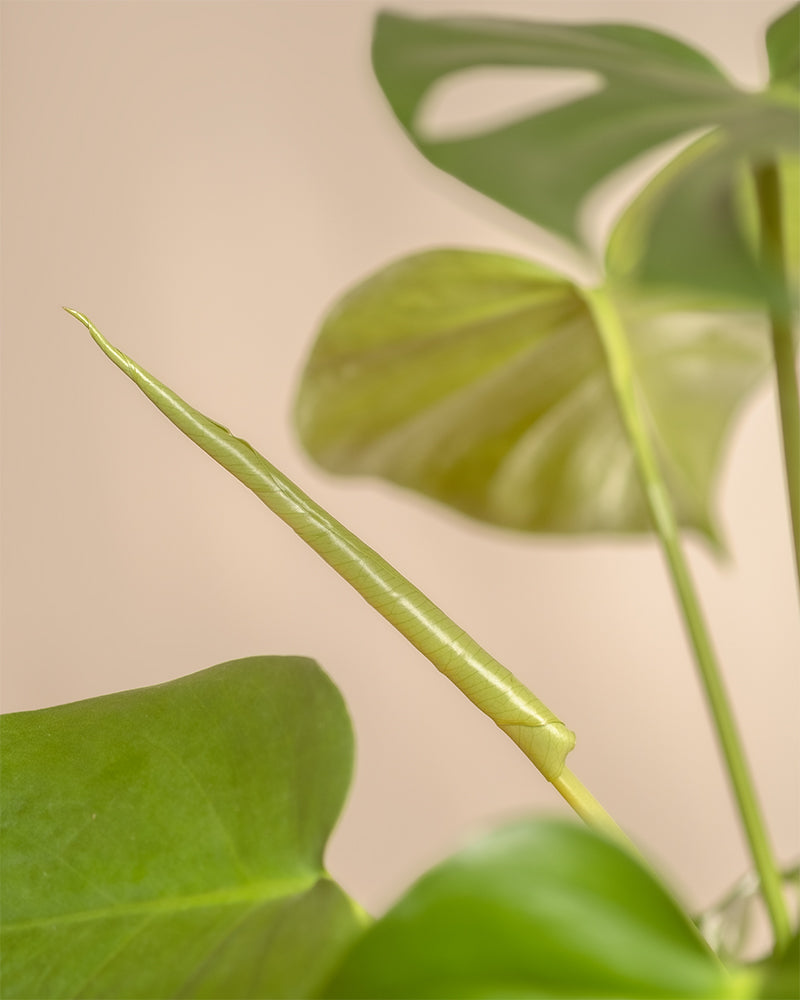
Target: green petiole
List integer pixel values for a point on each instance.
(659, 502)
(773, 250)
(541, 736)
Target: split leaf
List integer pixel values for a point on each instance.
(652, 89)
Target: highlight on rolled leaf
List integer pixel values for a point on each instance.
(542, 737)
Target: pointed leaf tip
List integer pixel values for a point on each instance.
(78, 315)
(121, 360)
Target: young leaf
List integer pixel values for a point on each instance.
(168, 841)
(479, 380)
(545, 164)
(492, 688)
(539, 909)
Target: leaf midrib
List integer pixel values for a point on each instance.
(262, 891)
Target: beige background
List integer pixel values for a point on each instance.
(203, 179)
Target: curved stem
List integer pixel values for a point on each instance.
(773, 250)
(620, 366)
(541, 736)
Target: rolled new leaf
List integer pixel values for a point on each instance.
(541, 736)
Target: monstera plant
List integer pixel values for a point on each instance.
(169, 841)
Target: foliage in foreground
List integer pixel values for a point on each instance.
(170, 841)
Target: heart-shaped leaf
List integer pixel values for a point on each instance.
(480, 380)
(539, 909)
(653, 88)
(168, 841)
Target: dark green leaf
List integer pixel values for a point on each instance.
(168, 841)
(480, 380)
(700, 192)
(539, 909)
(652, 88)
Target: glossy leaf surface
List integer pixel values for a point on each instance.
(479, 380)
(168, 841)
(538, 909)
(651, 89)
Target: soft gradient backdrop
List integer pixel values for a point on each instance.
(203, 179)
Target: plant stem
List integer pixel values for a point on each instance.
(620, 366)
(541, 736)
(575, 793)
(773, 250)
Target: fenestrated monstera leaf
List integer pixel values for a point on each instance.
(480, 380)
(539, 909)
(168, 841)
(652, 89)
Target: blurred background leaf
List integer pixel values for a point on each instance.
(716, 250)
(651, 89)
(168, 841)
(731, 926)
(479, 380)
(783, 48)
